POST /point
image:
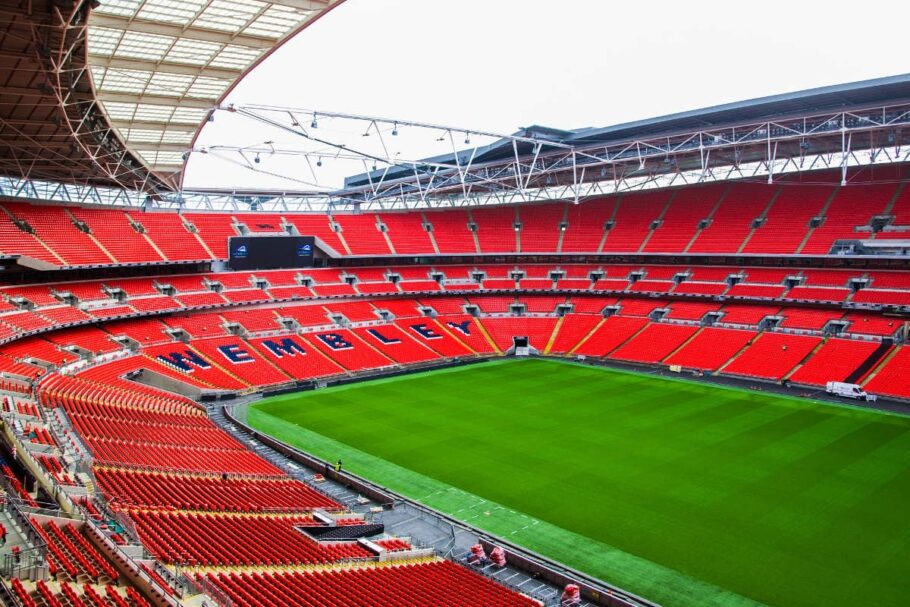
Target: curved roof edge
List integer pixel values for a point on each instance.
(159, 67)
(816, 100)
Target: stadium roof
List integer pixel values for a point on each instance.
(112, 93)
(852, 96)
(839, 97)
(159, 65)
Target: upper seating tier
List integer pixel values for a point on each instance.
(788, 217)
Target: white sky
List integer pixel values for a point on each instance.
(500, 64)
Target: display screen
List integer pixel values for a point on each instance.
(270, 252)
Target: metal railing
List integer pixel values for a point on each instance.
(28, 559)
(216, 593)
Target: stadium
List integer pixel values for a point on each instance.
(659, 363)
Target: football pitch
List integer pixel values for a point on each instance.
(682, 492)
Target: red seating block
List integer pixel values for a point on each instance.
(149, 489)
(211, 540)
(654, 343)
(787, 221)
(540, 227)
(680, 222)
(853, 206)
(496, 229)
(437, 583)
(710, 349)
(732, 220)
(772, 355)
(348, 350)
(633, 218)
(611, 334)
(465, 329)
(450, 230)
(397, 344)
(834, 361)
(503, 329)
(892, 379)
(170, 234)
(113, 230)
(407, 233)
(296, 357)
(586, 225)
(362, 234)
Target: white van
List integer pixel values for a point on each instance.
(839, 388)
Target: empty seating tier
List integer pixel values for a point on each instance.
(436, 583)
(201, 498)
(772, 355)
(609, 335)
(236, 539)
(209, 492)
(710, 349)
(788, 217)
(834, 361)
(654, 343)
(891, 378)
(71, 556)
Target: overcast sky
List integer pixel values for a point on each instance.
(501, 64)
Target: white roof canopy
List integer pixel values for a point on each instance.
(158, 66)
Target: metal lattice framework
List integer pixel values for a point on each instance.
(50, 122)
(527, 168)
(523, 168)
(96, 97)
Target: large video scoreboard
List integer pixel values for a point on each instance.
(270, 252)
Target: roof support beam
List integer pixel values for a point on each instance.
(154, 125)
(24, 55)
(23, 92)
(175, 31)
(109, 96)
(158, 147)
(21, 123)
(164, 67)
(305, 5)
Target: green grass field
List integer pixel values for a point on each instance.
(683, 492)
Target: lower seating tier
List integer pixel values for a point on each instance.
(710, 349)
(834, 361)
(772, 355)
(201, 498)
(654, 343)
(892, 379)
